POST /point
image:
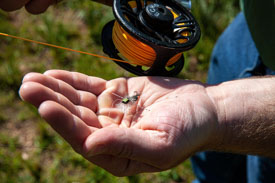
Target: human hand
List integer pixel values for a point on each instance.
(170, 120)
(32, 6)
(36, 6)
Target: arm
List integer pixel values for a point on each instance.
(246, 115)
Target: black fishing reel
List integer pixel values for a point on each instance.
(164, 25)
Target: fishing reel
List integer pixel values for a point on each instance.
(150, 36)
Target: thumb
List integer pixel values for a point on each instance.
(136, 144)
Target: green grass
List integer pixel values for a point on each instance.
(30, 151)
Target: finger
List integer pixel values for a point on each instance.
(11, 5)
(121, 166)
(81, 98)
(38, 6)
(79, 81)
(70, 127)
(36, 94)
(90, 118)
(140, 145)
(110, 116)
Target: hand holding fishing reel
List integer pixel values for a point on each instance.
(150, 35)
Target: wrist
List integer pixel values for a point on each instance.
(217, 96)
(231, 103)
(244, 112)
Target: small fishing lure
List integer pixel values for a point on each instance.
(128, 99)
(125, 103)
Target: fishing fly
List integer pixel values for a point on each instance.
(127, 99)
(125, 104)
(133, 98)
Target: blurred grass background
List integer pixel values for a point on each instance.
(30, 151)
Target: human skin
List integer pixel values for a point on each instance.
(171, 120)
(32, 6)
(35, 6)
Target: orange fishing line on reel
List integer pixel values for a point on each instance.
(135, 51)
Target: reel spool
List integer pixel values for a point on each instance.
(151, 35)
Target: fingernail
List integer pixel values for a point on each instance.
(19, 94)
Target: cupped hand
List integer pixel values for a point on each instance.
(126, 125)
(32, 6)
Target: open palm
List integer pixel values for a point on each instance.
(126, 126)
